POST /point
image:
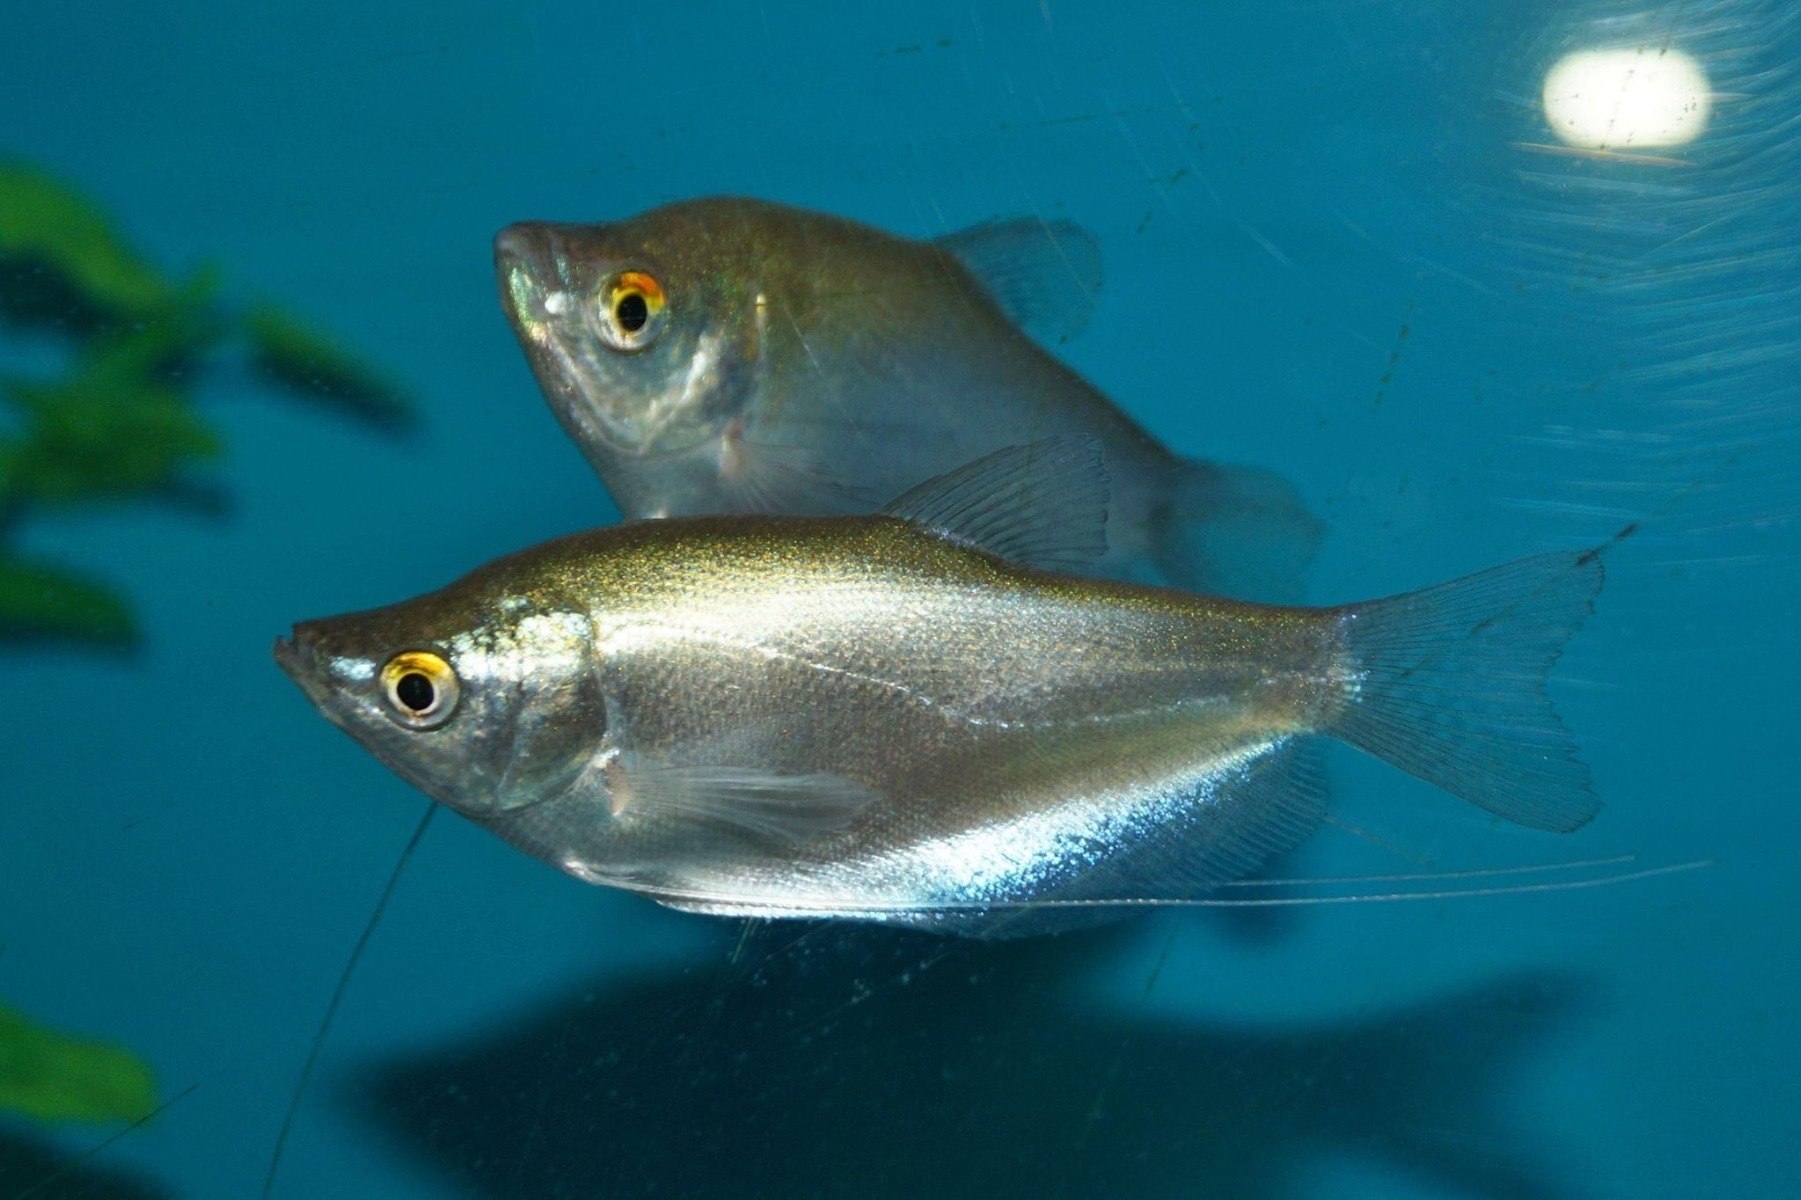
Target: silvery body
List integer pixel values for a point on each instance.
(875, 717)
(788, 361)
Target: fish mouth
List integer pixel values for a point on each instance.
(523, 257)
(300, 662)
(522, 242)
(287, 656)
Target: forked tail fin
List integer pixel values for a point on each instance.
(1450, 686)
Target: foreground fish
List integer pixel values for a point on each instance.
(736, 356)
(901, 718)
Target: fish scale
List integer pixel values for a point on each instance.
(810, 365)
(883, 718)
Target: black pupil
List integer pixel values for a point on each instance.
(631, 311)
(415, 691)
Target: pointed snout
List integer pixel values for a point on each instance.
(525, 270)
(298, 657)
(523, 244)
(318, 659)
(287, 656)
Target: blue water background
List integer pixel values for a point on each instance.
(1330, 249)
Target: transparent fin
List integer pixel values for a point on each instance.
(767, 478)
(1191, 834)
(1270, 807)
(1453, 687)
(1043, 504)
(1239, 532)
(975, 917)
(781, 808)
(1044, 275)
(1217, 828)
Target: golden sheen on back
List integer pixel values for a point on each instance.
(903, 717)
(735, 356)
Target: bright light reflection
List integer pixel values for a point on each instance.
(1627, 98)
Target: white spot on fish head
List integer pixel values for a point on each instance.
(352, 669)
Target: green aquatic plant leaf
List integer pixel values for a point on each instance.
(119, 423)
(101, 435)
(40, 602)
(51, 1076)
(62, 262)
(306, 361)
(170, 349)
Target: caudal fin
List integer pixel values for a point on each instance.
(1235, 531)
(1452, 687)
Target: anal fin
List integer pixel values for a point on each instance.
(1192, 831)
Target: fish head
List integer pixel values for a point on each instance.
(644, 345)
(486, 700)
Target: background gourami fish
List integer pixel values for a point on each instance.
(902, 717)
(736, 356)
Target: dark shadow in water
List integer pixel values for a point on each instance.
(32, 1168)
(863, 1063)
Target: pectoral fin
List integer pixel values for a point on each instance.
(769, 806)
(771, 478)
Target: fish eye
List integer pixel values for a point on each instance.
(421, 689)
(632, 308)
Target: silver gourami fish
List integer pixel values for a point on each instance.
(735, 356)
(906, 717)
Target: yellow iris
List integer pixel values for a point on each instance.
(631, 307)
(421, 688)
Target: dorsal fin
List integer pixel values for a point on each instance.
(1045, 275)
(1043, 504)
